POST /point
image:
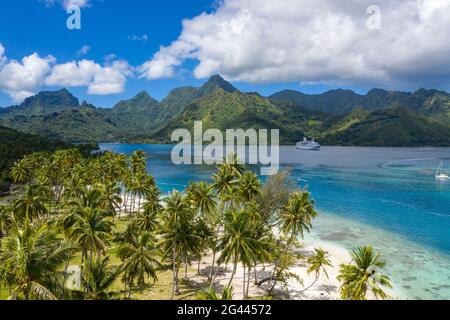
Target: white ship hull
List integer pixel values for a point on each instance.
(308, 145)
(308, 148)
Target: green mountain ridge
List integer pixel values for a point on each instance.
(344, 101)
(392, 127)
(342, 117)
(223, 110)
(43, 103)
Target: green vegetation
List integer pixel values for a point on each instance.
(15, 145)
(338, 117)
(388, 128)
(363, 276)
(95, 229)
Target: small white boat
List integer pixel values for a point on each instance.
(441, 174)
(308, 145)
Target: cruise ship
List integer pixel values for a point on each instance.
(308, 145)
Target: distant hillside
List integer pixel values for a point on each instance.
(334, 117)
(223, 110)
(14, 145)
(391, 127)
(430, 102)
(58, 115)
(43, 103)
(79, 125)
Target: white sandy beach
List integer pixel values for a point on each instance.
(323, 289)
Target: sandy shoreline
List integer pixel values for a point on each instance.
(323, 289)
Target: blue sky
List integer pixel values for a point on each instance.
(238, 39)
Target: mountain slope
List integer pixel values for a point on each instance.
(224, 110)
(429, 102)
(389, 128)
(135, 115)
(83, 124)
(43, 103)
(336, 117)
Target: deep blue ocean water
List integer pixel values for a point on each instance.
(386, 197)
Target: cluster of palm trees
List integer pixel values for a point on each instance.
(67, 207)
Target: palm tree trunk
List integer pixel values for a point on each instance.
(312, 284)
(244, 280)
(142, 278)
(82, 264)
(275, 281)
(139, 202)
(177, 287)
(185, 267)
(174, 266)
(199, 262)
(125, 201)
(248, 281)
(214, 254)
(89, 272)
(234, 272)
(254, 273)
(212, 266)
(130, 284)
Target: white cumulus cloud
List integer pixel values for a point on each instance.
(320, 41)
(73, 74)
(111, 79)
(20, 79)
(100, 80)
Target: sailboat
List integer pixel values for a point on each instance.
(441, 174)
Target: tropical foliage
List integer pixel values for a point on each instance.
(97, 228)
(363, 276)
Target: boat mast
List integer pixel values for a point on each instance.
(439, 169)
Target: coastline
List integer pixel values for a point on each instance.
(338, 255)
(324, 288)
(416, 272)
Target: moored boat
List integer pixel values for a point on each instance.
(308, 145)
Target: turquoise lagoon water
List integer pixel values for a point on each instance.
(385, 197)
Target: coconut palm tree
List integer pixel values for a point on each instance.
(31, 204)
(225, 180)
(363, 275)
(6, 220)
(179, 237)
(148, 220)
(317, 264)
(249, 187)
(205, 233)
(138, 254)
(20, 172)
(138, 162)
(97, 284)
(295, 219)
(110, 198)
(239, 243)
(91, 231)
(142, 184)
(234, 162)
(202, 197)
(31, 258)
